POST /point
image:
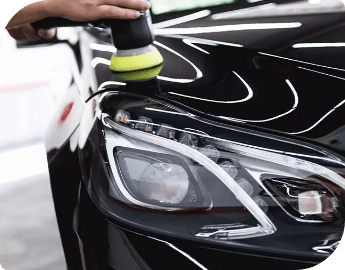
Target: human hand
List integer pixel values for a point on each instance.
(91, 10)
(28, 33)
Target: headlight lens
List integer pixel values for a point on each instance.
(174, 172)
(158, 179)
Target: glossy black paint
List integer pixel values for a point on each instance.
(265, 74)
(140, 250)
(107, 243)
(65, 179)
(95, 166)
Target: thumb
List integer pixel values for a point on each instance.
(46, 33)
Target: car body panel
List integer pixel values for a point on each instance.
(249, 79)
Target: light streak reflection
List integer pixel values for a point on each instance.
(103, 85)
(321, 119)
(191, 43)
(328, 113)
(326, 74)
(298, 61)
(319, 45)
(181, 252)
(198, 71)
(99, 60)
(239, 12)
(226, 28)
(249, 96)
(272, 118)
(166, 111)
(183, 19)
(204, 41)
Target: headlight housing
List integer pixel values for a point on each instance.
(168, 171)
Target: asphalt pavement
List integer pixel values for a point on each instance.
(29, 237)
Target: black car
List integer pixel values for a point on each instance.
(232, 154)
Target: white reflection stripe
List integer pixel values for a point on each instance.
(165, 111)
(319, 45)
(226, 28)
(204, 41)
(250, 94)
(99, 60)
(223, 43)
(103, 85)
(329, 75)
(181, 252)
(229, 14)
(198, 71)
(103, 47)
(180, 20)
(272, 118)
(327, 114)
(176, 80)
(297, 61)
(322, 118)
(173, 247)
(318, 122)
(190, 43)
(294, 93)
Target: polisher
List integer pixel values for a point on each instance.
(133, 40)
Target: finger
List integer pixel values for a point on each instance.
(30, 33)
(16, 33)
(130, 4)
(46, 33)
(113, 12)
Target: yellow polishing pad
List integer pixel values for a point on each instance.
(136, 62)
(139, 75)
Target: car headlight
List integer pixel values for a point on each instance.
(171, 171)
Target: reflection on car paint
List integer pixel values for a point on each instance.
(226, 28)
(198, 71)
(232, 13)
(298, 61)
(100, 60)
(183, 19)
(103, 85)
(191, 43)
(275, 117)
(66, 111)
(250, 94)
(318, 45)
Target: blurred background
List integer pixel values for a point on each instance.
(30, 88)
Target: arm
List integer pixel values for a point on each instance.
(31, 13)
(79, 10)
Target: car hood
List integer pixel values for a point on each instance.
(263, 72)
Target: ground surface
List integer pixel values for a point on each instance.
(29, 236)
